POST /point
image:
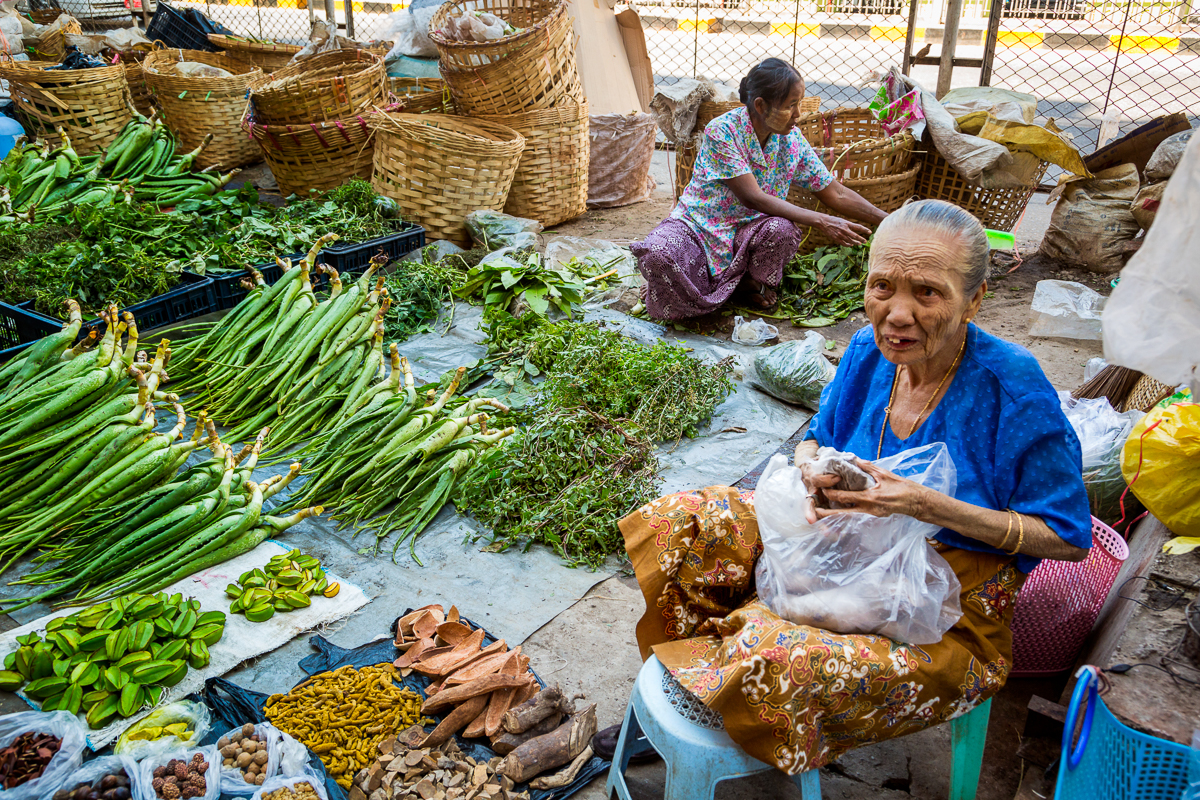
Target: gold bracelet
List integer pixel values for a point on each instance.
(1020, 535)
(1008, 532)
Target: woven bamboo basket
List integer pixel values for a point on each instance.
(194, 107)
(422, 95)
(1146, 394)
(852, 144)
(439, 168)
(91, 105)
(53, 46)
(997, 209)
(533, 69)
(685, 154)
(317, 156)
(887, 193)
(325, 87)
(267, 56)
(551, 181)
(44, 16)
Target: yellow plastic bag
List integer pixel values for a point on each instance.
(1161, 464)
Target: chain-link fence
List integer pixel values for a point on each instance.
(291, 20)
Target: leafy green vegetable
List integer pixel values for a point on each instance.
(825, 286)
(418, 289)
(500, 281)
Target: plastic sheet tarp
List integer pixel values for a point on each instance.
(232, 705)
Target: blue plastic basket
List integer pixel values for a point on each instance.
(1111, 761)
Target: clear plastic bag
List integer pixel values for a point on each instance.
(274, 784)
(592, 257)
(1102, 432)
(1093, 367)
(1066, 309)
(752, 334)
(493, 230)
(232, 779)
(97, 768)
(856, 573)
(293, 757)
(194, 715)
(795, 371)
(212, 776)
(65, 762)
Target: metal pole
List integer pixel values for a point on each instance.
(910, 36)
(331, 13)
(989, 43)
(949, 43)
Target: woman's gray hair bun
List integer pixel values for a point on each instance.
(946, 219)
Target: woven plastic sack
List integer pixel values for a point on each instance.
(212, 776)
(855, 573)
(1092, 222)
(1161, 464)
(65, 762)
(274, 784)
(1167, 155)
(1102, 431)
(795, 371)
(194, 715)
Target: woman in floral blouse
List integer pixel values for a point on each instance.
(733, 220)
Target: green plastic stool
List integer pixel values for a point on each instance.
(699, 754)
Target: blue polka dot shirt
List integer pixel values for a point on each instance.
(1000, 419)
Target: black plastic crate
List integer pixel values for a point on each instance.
(354, 258)
(174, 29)
(21, 326)
(228, 289)
(192, 297)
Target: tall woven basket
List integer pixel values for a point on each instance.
(853, 146)
(422, 95)
(194, 107)
(530, 70)
(887, 193)
(267, 56)
(315, 157)
(439, 168)
(91, 105)
(52, 46)
(685, 154)
(997, 209)
(327, 86)
(551, 181)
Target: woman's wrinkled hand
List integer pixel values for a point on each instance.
(816, 482)
(842, 231)
(891, 494)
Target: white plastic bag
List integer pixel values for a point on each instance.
(1102, 432)
(275, 784)
(1150, 321)
(1167, 155)
(97, 768)
(212, 775)
(409, 29)
(194, 715)
(196, 69)
(232, 780)
(753, 333)
(65, 762)
(1066, 309)
(1093, 368)
(293, 757)
(855, 573)
(796, 371)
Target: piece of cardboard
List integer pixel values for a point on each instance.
(600, 55)
(634, 37)
(1137, 147)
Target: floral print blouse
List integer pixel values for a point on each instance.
(730, 148)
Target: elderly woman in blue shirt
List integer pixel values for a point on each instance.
(797, 696)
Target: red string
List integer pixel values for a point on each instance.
(1138, 473)
(321, 138)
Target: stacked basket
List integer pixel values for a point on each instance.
(529, 83)
(997, 209)
(685, 154)
(91, 106)
(310, 119)
(194, 107)
(422, 95)
(855, 149)
(267, 56)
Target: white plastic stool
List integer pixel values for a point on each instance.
(698, 753)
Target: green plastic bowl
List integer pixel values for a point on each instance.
(999, 240)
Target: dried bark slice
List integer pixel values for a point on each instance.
(452, 632)
(477, 726)
(455, 721)
(563, 777)
(458, 694)
(506, 742)
(405, 625)
(502, 699)
(478, 668)
(459, 654)
(552, 750)
(413, 653)
(452, 614)
(425, 626)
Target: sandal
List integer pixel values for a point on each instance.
(604, 744)
(757, 296)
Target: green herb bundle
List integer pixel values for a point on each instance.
(418, 289)
(824, 286)
(500, 282)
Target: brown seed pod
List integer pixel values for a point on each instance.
(260, 757)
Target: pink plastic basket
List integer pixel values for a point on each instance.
(1059, 602)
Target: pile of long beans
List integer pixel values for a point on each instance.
(282, 359)
(394, 462)
(209, 514)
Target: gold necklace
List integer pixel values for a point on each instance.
(887, 414)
